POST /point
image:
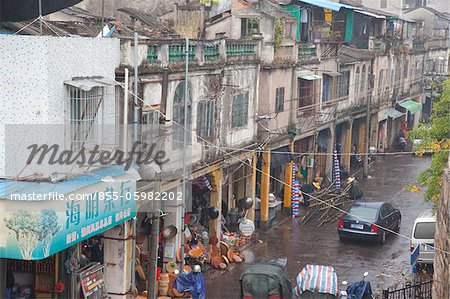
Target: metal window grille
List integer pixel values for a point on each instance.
(205, 118)
(240, 49)
(239, 117)
(211, 52)
(279, 99)
(152, 53)
(84, 110)
(177, 52)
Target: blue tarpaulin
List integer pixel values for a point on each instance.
(192, 282)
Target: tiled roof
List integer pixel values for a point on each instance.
(349, 54)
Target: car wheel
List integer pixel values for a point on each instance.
(399, 222)
(383, 237)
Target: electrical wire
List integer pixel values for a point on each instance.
(288, 185)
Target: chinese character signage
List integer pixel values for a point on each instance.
(34, 230)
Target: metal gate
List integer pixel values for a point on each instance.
(421, 290)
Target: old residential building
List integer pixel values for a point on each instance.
(270, 84)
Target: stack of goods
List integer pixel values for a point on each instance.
(295, 196)
(163, 284)
(223, 255)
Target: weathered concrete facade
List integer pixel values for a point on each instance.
(441, 280)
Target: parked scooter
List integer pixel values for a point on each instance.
(358, 290)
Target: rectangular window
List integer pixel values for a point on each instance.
(249, 27)
(239, 117)
(383, 4)
(305, 96)
(327, 88)
(150, 125)
(279, 99)
(344, 86)
(205, 118)
(380, 83)
(84, 114)
(405, 70)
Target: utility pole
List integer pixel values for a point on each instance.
(136, 78)
(40, 17)
(152, 290)
(185, 140)
(367, 133)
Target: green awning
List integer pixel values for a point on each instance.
(411, 106)
(310, 77)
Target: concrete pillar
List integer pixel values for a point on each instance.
(374, 131)
(347, 147)
(216, 201)
(288, 181)
(251, 186)
(265, 185)
(118, 259)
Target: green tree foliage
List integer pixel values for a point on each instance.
(278, 33)
(435, 137)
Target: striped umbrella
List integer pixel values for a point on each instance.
(336, 170)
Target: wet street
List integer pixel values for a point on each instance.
(307, 244)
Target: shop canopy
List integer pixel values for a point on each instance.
(40, 219)
(394, 113)
(310, 77)
(411, 106)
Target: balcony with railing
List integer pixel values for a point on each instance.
(241, 50)
(285, 54)
(164, 53)
(307, 52)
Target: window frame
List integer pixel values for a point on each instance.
(178, 114)
(205, 126)
(307, 100)
(240, 111)
(249, 26)
(344, 89)
(90, 103)
(279, 99)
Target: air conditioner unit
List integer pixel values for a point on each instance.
(405, 6)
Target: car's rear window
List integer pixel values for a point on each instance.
(425, 230)
(363, 212)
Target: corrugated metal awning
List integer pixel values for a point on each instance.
(328, 4)
(310, 77)
(88, 84)
(394, 113)
(411, 106)
(370, 14)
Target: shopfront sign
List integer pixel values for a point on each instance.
(36, 229)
